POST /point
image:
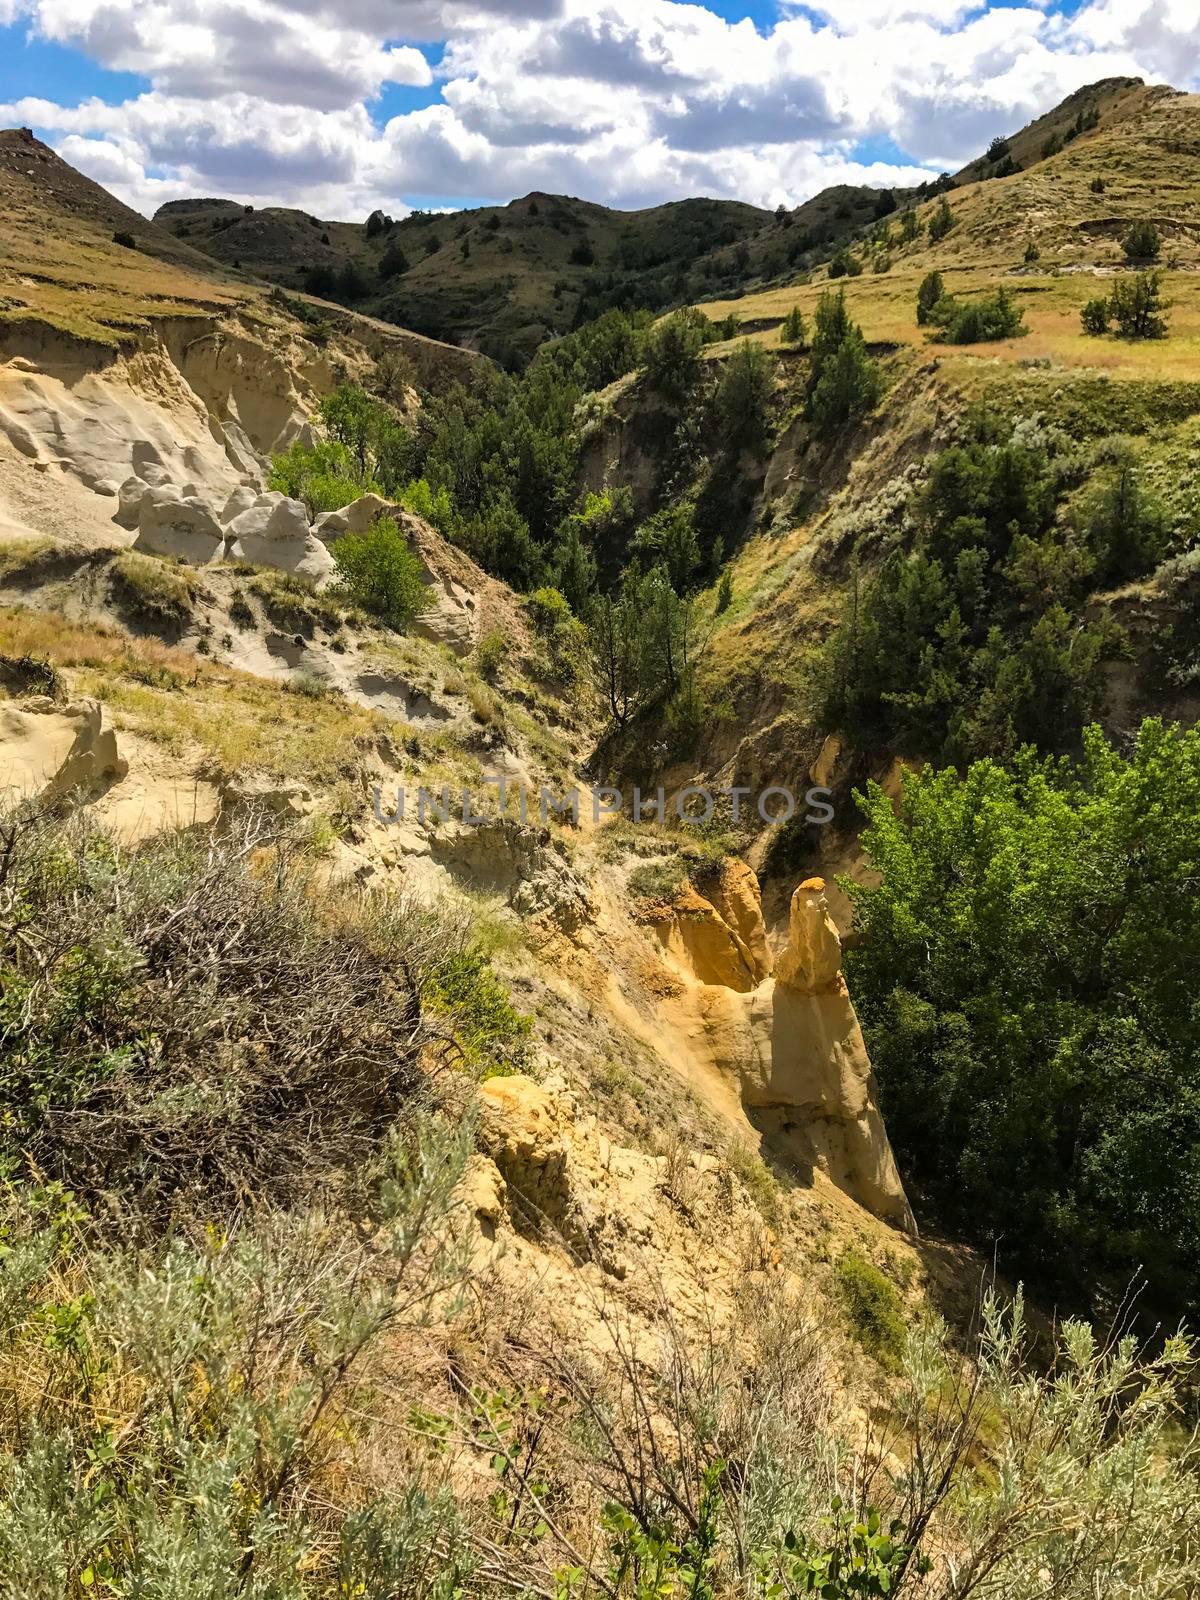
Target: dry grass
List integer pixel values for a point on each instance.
(233, 721)
(1146, 152)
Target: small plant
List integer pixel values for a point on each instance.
(873, 1308)
(154, 591)
(941, 222)
(757, 1179)
(853, 1559)
(490, 654)
(978, 321)
(658, 880)
(125, 240)
(930, 294)
(1032, 253)
(1097, 186)
(308, 686)
(241, 612)
(1095, 316)
(724, 593)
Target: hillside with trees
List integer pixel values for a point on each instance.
(456, 1140)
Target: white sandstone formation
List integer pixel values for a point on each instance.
(181, 528)
(357, 517)
(129, 502)
(242, 498)
(274, 532)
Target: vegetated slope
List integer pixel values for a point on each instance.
(1110, 100)
(60, 262)
(34, 178)
(505, 278)
(1144, 151)
(431, 1097)
(502, 277)
(1003, 545)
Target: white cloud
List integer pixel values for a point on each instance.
(624, 101)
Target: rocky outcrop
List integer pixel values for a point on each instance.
(808, 1067)
(522, 1130)
(242, 498)
(452, 614)
(530, 865)
(716, 936)
(274, 532)
(283, 800)
(178, 526)
(698, 940)
(48, 752)
(357, 517)
(788, 1042)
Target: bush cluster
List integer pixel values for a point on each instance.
(1025, 980)
(974, 641)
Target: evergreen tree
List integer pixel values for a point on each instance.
(844, 383)
(928, 295)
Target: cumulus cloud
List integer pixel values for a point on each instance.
(629, 102)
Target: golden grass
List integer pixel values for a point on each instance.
(18, 555)
(230, 720)
(77, 280)
(885, 307)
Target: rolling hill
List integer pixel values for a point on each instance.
(502, 279)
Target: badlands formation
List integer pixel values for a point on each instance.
(162, 451)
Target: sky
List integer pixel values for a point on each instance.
(342, 106)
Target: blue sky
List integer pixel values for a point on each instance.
(339, 105)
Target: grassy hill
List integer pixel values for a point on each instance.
(73, 258)
(1073, 208)
(503, 279)
(61, 261)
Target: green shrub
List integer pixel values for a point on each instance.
(1136, 306)
(199, 1024)
(873, 1308)
(658, 880)
(379, 572)
(744, 397)
(978, 321)
(930, 294)
(672, 355)
(724, 593)
(491, 653)
(1095, 316)
(171, 1412)
(843, 382)
(941, 222)
(1046, 1106)
(1142, 242)
(974, 640)
(793, 331)
(564, 636)
(325, 476)
(434, 507)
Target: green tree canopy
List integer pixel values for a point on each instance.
(1026, 981)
